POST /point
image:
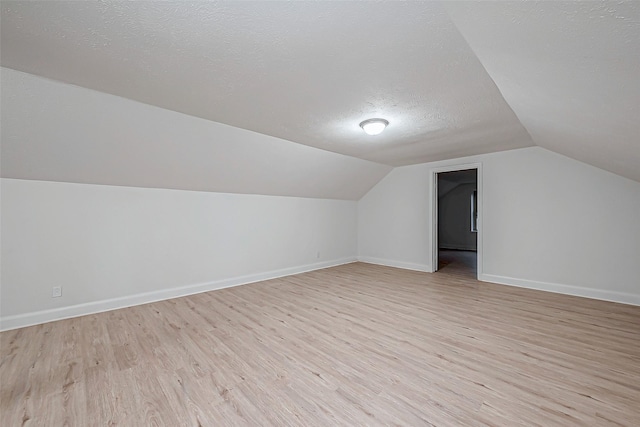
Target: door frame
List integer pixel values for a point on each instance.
(434, 210)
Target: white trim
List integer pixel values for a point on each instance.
(433, 224)
(38, 317)
(398, 264)
(599, 294)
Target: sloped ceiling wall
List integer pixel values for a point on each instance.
(569, 70)
(307, 72)
(53, 131)
(454, 79)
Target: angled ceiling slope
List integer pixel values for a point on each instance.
(52, 131)
(310, 72)
(569, 70)
(307, 72)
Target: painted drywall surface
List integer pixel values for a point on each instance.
(569, 70)
(53, 131)
(454, 219)
(393, 224)
(106, 242)
(307, 72)
(548, 222)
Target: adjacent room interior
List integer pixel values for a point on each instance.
(319, 213)
(457, 220)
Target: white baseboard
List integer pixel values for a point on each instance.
(459, 248)
(600, 294)
(38, 317)
(398, 264)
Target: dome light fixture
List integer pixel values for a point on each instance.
(374, 126)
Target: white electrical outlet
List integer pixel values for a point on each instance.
(318, 255)
(56, 292)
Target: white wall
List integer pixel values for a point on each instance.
(454, 219)
(393, 220)
(53, 131)
(549, 222)
(111, 246)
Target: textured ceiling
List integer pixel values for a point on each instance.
(309, 72)
(569, 70)
(52, 131)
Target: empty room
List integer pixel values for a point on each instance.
(319, 213)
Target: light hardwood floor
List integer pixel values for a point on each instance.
(352, 345)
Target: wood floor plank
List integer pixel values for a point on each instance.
(357, 344)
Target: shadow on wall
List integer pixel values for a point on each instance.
(455, 198)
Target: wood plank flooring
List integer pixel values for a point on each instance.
(352, 345)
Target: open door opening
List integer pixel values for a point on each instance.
(456, 221)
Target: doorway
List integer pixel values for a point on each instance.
(456, 229)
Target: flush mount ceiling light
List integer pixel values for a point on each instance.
(374, 126)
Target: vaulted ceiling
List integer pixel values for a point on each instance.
(569, 70)
(453, 78)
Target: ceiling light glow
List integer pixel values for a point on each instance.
(374, 126)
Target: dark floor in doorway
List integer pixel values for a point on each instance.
(464, 263)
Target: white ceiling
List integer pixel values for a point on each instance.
(569, 70)
(52, 131)
(309, 72)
